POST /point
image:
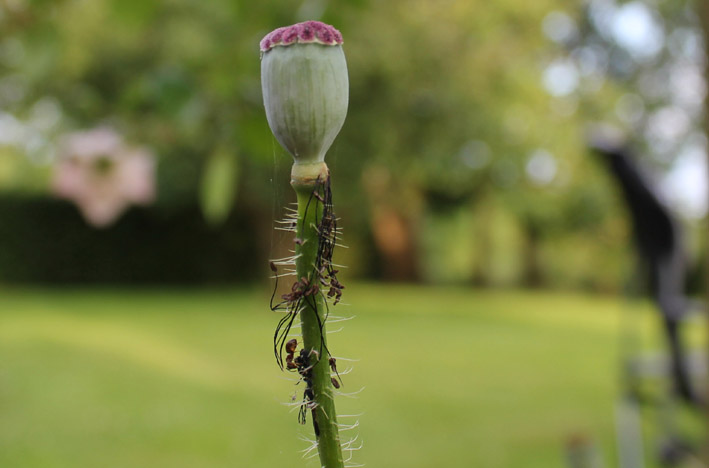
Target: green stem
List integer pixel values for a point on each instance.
(310, 211)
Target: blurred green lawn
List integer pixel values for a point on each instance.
(186, 378)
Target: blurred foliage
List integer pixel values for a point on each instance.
(449, 124)
(218, 186)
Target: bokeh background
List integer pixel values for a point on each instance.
(490, 264)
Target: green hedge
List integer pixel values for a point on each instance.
(46, 241)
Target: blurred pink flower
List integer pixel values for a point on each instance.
(102, 175)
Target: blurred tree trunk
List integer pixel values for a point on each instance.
(396, 241)
(483, 244)
(533, 276)
(703, 11)
(394, 220)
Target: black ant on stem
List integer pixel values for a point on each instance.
(308, 293)
(303, 365)
(305, 290)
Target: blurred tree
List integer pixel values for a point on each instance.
(703, 12)
(455, 106)
(636, 65)
(448, 110)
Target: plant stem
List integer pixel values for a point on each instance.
(305, 180)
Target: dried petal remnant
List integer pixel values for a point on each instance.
(303, 33)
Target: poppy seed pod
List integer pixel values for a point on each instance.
(305, 88)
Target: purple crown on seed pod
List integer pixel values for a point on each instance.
(308, 32)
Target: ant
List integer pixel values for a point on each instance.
(302, 363)
(290, 349)
(333, 368)
(322, 280)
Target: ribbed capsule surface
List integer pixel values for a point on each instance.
(305, 93)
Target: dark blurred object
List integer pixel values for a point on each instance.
(673, 452)
(47, 241)
(658, 239)
(661, 248)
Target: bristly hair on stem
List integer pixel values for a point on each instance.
(323, 275)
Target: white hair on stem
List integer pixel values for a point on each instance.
(350, 394)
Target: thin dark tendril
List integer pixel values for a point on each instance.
(321, 325)
(306, 289)
(275, 287)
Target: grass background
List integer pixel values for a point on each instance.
(186, 378)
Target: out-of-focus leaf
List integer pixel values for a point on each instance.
(134, 12)
(219, 186)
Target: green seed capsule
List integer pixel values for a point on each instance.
(305, 88)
